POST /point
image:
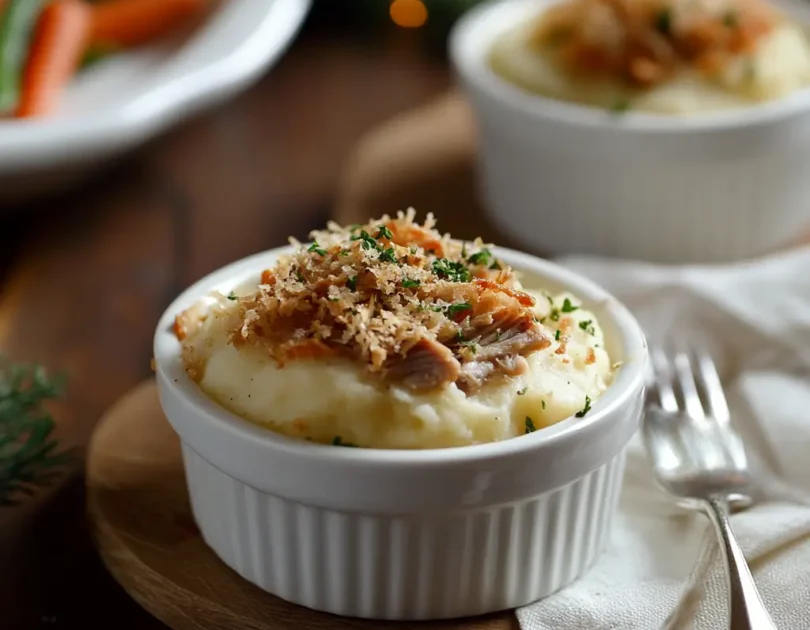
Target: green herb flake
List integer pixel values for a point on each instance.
(366, 239)
(455, 309)
(585, 409)
(557, 335)
(384, 232)
(407, 283)
(453, 271)
(345, 252)
(543, 404)
(568, 307)
(317, 249)
(388, 255)
(554, 315)
(530, 428)
(495, 265)
(352, 283)
(233, 296)
(480, 258)
(587, 326)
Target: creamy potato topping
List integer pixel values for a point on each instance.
(391, 335)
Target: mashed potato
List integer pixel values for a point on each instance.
(333, 401)
(339, 399)
(771, 59)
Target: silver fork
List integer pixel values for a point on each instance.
(700, 459)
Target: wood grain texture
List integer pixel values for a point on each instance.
(145, 533)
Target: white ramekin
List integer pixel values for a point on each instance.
(562, 178)
(407, 534)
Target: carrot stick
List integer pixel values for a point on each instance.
(57, 48)
(123, 23)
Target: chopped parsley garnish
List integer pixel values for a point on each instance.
(557, 335)
(460, 336)
(663, 21)
(585, 409)
(530, 428)
(232, 296)
(388, 255)
(300, 277)
(366, 238)
(543, 404)
(453, 271)
(730, 19)
(480, 258)
(554, 315)
(317, 249)
(455, 309)
(568, 307)
(497, 334)
(338, 441)
(587, 326)
(345, 252)
(384, 232)
(495, 265)
(407, 283)
(333, 299)
(436, 308)
(520, 392)
(352, 283)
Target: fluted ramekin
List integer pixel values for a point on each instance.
(407, 534)
(563, 178)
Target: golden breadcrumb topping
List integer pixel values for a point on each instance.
(416, 307)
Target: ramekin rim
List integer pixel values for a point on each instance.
(472, 67)
(629, 379)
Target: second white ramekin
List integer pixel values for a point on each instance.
(566, 179)
(407, 534)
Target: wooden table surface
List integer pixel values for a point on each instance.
(84, 276)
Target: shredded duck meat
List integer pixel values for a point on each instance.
(645, 42)
(413, 306)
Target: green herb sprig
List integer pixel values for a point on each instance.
(29, 455)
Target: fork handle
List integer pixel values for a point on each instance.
(746, 610)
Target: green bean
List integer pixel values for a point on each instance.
(16, 28)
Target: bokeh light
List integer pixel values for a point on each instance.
(408, 13)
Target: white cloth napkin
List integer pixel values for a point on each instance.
(662, 567)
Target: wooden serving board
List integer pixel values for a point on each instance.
(147, 538)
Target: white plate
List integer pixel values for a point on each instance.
(128, 98)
